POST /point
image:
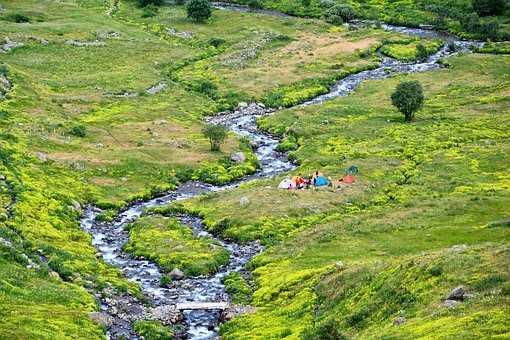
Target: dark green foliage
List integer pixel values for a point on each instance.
(216, 134)
(180, 2)
(436, 270)
(199, 10)
(254, 4)
(17, 17)
(340, 13)
(408, 98)
(3, 70)
(207, 87)
(149, 11)
(489, 7)
(329, 329)
(165, 281)
(216, 42)
(421, 52)
(145, 3)
(306, 3)
(237, 288)
(78, 131)
(152, 330)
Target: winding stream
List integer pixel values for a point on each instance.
(109, 238)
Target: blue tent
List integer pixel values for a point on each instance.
(321, 181)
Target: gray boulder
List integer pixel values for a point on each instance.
(238, 157)
(176, 274)
(457, 294)
(399, 321)
(450, 303)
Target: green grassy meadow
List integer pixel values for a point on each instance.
(83, 125)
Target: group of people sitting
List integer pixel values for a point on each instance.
(317, 179)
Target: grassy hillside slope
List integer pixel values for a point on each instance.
(108, 109)
(429, 213)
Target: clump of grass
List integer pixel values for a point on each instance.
(152, 330)
(238, 289)
(17, 18)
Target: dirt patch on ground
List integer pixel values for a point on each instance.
(312, 46)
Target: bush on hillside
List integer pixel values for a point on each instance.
(408, 98)
(327, 3)
(149, 11)
(254, 4)
(78, 131)
(17, 18)
(216, 134)
(489, 7)
(199, 10)
(340, 13)
(421, 52)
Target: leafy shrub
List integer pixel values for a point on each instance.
(216, 134)
(421, 52)
(340, 13)
(254, 4)
(408, 98)
(17, 17)
(237, 288)
(329, 329)
(149, 11)
(199, 10)
(327, 3)
(333, 18)
(488, 7)
(165, 280)
(216, 42)
(207, 87)
(180, 2)
(3, 70)
(145, 3)
(78, 131)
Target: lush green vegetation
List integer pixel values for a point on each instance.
(408, 49)
(463, 17)
(424, 190)
(107, 105)
(173, 245)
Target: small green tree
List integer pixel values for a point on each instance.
(408, 98)
(216, 134)
(421, 52)
(199, 10)
(339, 14)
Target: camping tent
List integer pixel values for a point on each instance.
(286, 184)
(321, 181)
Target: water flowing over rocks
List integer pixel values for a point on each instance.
(109, 238)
